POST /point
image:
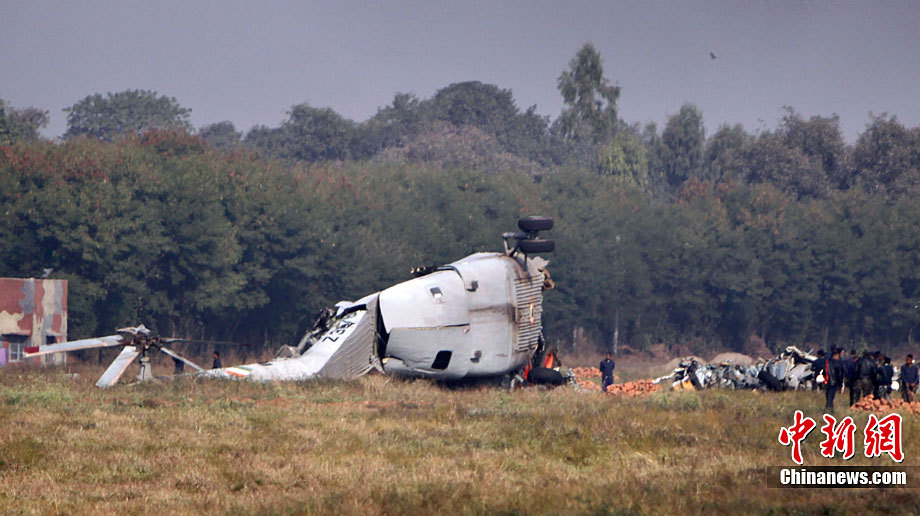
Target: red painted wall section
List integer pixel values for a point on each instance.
(35, 309)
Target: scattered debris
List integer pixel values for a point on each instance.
(789, 370)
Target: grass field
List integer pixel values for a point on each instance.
(383, 446)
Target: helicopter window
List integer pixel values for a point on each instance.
(441, 360)
(436, 294)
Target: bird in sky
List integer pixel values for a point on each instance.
(712, 56)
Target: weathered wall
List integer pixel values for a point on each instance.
(34, 309)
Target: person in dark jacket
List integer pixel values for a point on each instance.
(817, 369)
(178, 366)
(878, 381)
(606, 367)
(887, 375)
(835, 376)
(909, 379)
(865, 373)
(217, 363)
(849, 366)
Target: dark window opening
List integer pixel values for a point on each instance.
(16, 345)
(441, 360)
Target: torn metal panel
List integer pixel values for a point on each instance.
(444, 352)
(343, 352)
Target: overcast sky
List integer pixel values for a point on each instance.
(249, 62)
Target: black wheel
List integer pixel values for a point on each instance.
(545, 376)
(536, 246)
(535, 223)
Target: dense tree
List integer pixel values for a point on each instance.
(591, 112)
(819, 139)
(625, 158)
(887, 158)
(682, 145)
(20, 125)
(769, 159)
(222, 135)
(723, 157)
(124, 112)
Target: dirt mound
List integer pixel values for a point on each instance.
(672, 365)
(735, 358)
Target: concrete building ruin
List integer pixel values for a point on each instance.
(33, 312)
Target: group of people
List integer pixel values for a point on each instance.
(863, 375)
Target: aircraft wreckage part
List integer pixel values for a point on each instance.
(535, 223)
(75, 345)
(344, 352)
(488, 325)
(118, 367)
(179, 357)
(438, 299)
(536, 246)
(445, 352)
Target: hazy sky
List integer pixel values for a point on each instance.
(249, 62)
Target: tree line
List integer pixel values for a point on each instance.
(663, 235)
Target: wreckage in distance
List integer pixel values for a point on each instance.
(478, 317)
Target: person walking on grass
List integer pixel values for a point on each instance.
(834, 376)
(606, 367)
(909, 379)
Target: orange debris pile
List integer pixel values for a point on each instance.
(586, 372)
(870, 404)
(636, 388)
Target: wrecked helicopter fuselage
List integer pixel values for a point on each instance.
(478, 317)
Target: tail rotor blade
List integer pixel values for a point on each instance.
(179, 357)
(118, 367)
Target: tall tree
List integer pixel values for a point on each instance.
(682, 145)
(124, 112)
(592, 102)
(723, 157)
(20, 125)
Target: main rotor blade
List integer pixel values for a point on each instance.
(118, 367)
(74, 345)
(205, 342)
(179, 357)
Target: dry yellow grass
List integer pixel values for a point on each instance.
(383, 446)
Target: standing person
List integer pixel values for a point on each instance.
(834, 377)
(887, 377)
(818, 370)
(909, 379)
(865, 372)
(178, 366)
(878, 383)
(849, 368)
(217, 363)
(606, 367)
